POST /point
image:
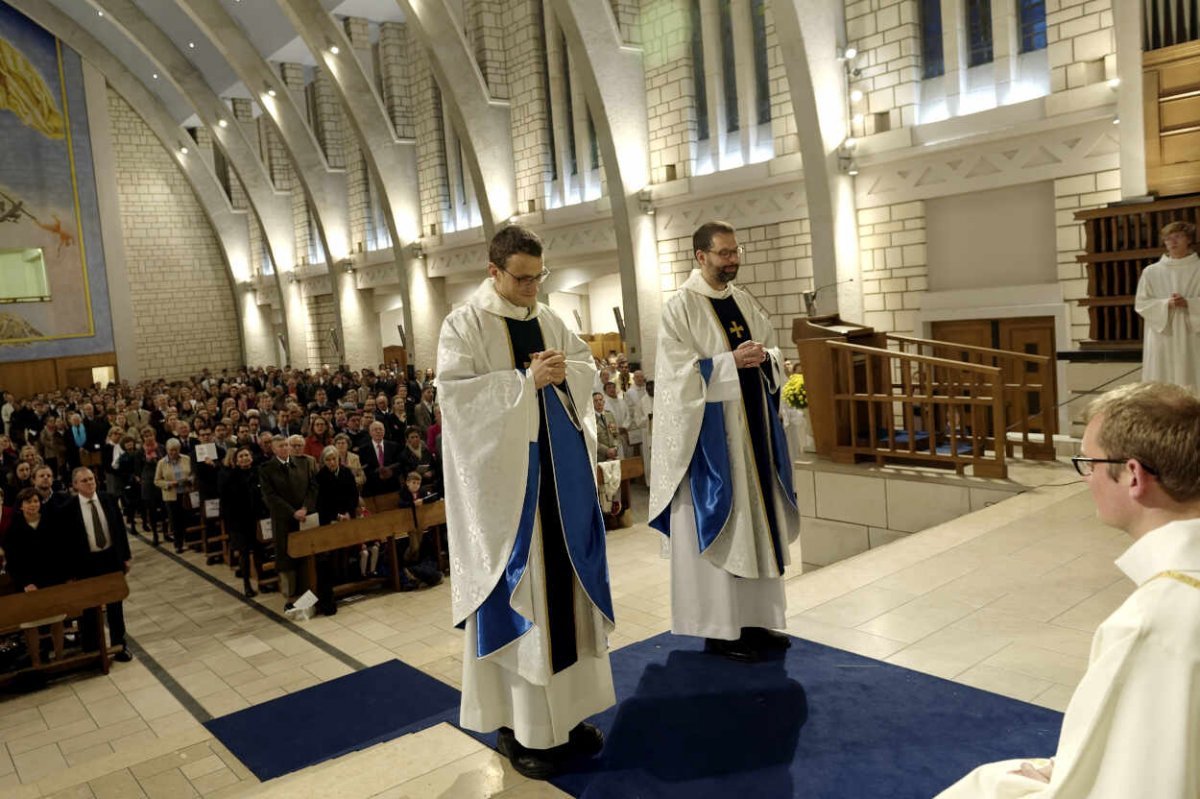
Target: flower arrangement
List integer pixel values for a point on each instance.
(794, 392)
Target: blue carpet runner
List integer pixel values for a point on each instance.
(334, 718)
(820, 723)
(817, 723)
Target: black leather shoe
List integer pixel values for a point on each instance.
(534, 764)
(739, 650)
(124, 656)
(766, 639)
(586, 740)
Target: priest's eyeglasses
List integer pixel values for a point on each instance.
(527, 280)
(739, 251)
(1085, 466)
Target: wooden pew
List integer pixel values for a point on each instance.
(387, 526)
(431, 516)
(51, 607)
(630, 468)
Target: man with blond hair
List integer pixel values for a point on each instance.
(1168, 300)
(1131, 727)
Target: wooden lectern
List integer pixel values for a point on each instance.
(821, 377)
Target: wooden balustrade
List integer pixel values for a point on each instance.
(898, 407)
(1028, 385)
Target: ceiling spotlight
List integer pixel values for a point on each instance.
(1114, 83)
(1117, 121)
(849, 53)
(154, 75)
(852, 169)
(99, 13)
(270, 92)
(191, 45)
(223, 122)
(183, 150)
(856, 96)
(850, 143)
(857, 119)
(334, 49)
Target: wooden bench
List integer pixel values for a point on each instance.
(630, 468)
(51, 607)
(386, 526)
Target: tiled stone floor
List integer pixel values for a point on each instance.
(1005, 600)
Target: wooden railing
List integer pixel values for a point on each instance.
(1121, 241)
(897, 407)
(1028, 383)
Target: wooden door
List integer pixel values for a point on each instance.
(79, 377)
(1033, 335)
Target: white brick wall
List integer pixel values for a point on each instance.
(183, 309)
(891, 241)
(1073, 194)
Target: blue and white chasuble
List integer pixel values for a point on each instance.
(529, 575)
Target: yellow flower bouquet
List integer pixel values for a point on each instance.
(794, 393)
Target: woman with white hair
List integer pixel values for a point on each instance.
(173, 476)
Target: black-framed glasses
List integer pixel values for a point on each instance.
(527, 280)
(739, 251)
(1085, 466)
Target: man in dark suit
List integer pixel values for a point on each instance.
(93, 530)
(290, 493)
(380, 459)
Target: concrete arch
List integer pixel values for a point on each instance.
(484, 125)
(393, 164)
(324, 187)
(822, 128)
(228, 224)
(614, 83)
(272, 208)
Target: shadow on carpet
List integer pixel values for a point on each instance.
(334, 718)
(820, 722)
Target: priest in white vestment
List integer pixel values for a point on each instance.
(1168, 300)
(1132, 727)
(529, 576)
(721, 480)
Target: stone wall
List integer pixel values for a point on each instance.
(891, 241)
(182, 303)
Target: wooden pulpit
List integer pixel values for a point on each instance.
(822, 378)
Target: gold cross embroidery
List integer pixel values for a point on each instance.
(736, 330)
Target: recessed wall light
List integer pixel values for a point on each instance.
(223, 123)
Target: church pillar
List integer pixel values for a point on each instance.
(809, 35)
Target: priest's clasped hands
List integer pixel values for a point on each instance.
(749, 354)
(548, 366)
(1177, 301)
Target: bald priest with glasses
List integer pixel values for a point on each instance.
(529, 572)
(1132, 727)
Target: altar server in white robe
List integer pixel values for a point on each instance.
(1168, 299)
(721, 482)
(529, 576)
(1132, 728)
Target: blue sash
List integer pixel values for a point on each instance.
(497, 623)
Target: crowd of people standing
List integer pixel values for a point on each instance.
(189, 454)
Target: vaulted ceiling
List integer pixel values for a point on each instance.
(263, 22)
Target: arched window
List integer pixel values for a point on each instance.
(932, 62)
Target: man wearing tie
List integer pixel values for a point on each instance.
(94, 533)
(379, 458)
(290, 494)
